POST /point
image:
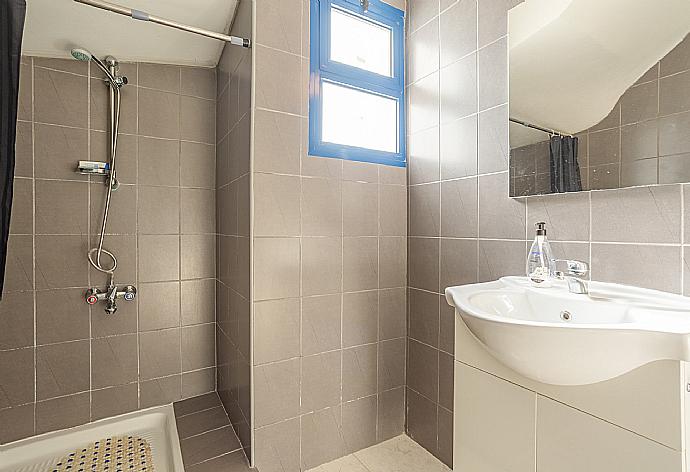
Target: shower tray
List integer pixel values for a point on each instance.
(144, 440)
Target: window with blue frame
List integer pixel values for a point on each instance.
(357, 84)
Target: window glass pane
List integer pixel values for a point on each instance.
(360, 119)
(360, 43)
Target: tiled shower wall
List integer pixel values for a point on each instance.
(233, 208)
(329, 272)
(463, 226)
(61, 362)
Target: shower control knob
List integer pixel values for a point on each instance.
(92, 297)
(129, 293)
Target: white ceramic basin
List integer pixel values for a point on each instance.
(607, 333)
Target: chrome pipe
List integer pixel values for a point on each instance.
(144, 16)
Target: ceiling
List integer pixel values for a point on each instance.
(571, 60)
(53, 27)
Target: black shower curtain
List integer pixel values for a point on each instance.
(565, 170)
(12, 15)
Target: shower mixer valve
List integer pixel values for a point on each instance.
(94, 295)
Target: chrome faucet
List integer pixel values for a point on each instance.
(575, 274)
(110, 296)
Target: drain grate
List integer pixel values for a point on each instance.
(115, 454)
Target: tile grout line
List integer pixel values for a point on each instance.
(88, 235)
(33, 243)
(136, 250)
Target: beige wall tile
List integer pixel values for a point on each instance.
(159, 114)
(622, 262)
(321, 324)
(198, 347)
(61, 413)
(159, 161)
(359, 423)
(320, 381)
(422, 369)
(158, 258)
(459, 208)
(322, 437)
(392, 262)
(360, 209)
(16, 320)
(648, 215)
(278, 149)
(50, 88)
(422, 56)
(360, 264)
(393, 210)
(499, 216)
(279, 25)
(423, 155)
(459, 89)
(197, 211)
(391, 414)
(566, 216)
(322, 213)
(62, 369)
(159, 305)
(359, 372)
(423, 99)
(424, 209)
(422, 420)
(197, 256)
(360, 318)
(276, 392)
(277, 330)
(159, 353)
(458, 31)
(423, 263)
(197, 119)
(276, 268)
(277, 446)
(392, 313)
(17, 378)
(114, 361)
(277, 80)
(159, 210)
(56, 148)
(198, 82)
(276, 205)
(322, 265)
(160, 76)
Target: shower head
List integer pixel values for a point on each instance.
(85, 56)
(81, 54)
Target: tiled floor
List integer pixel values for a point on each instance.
(400, 454)
(208, 442)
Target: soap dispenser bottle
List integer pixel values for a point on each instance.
(540, 264)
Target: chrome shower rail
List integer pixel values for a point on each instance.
(144, 16)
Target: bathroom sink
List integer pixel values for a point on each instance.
(557, 337)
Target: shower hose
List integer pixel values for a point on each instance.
(96, 253)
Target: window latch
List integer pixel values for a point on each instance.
(365, 5)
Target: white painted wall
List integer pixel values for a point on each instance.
(53, 27)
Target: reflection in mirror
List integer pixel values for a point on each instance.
(599, 94)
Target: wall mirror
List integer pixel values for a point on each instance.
(599, 94)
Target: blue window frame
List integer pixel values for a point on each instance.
(388, 91)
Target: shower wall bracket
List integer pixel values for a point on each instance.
(93, 167)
